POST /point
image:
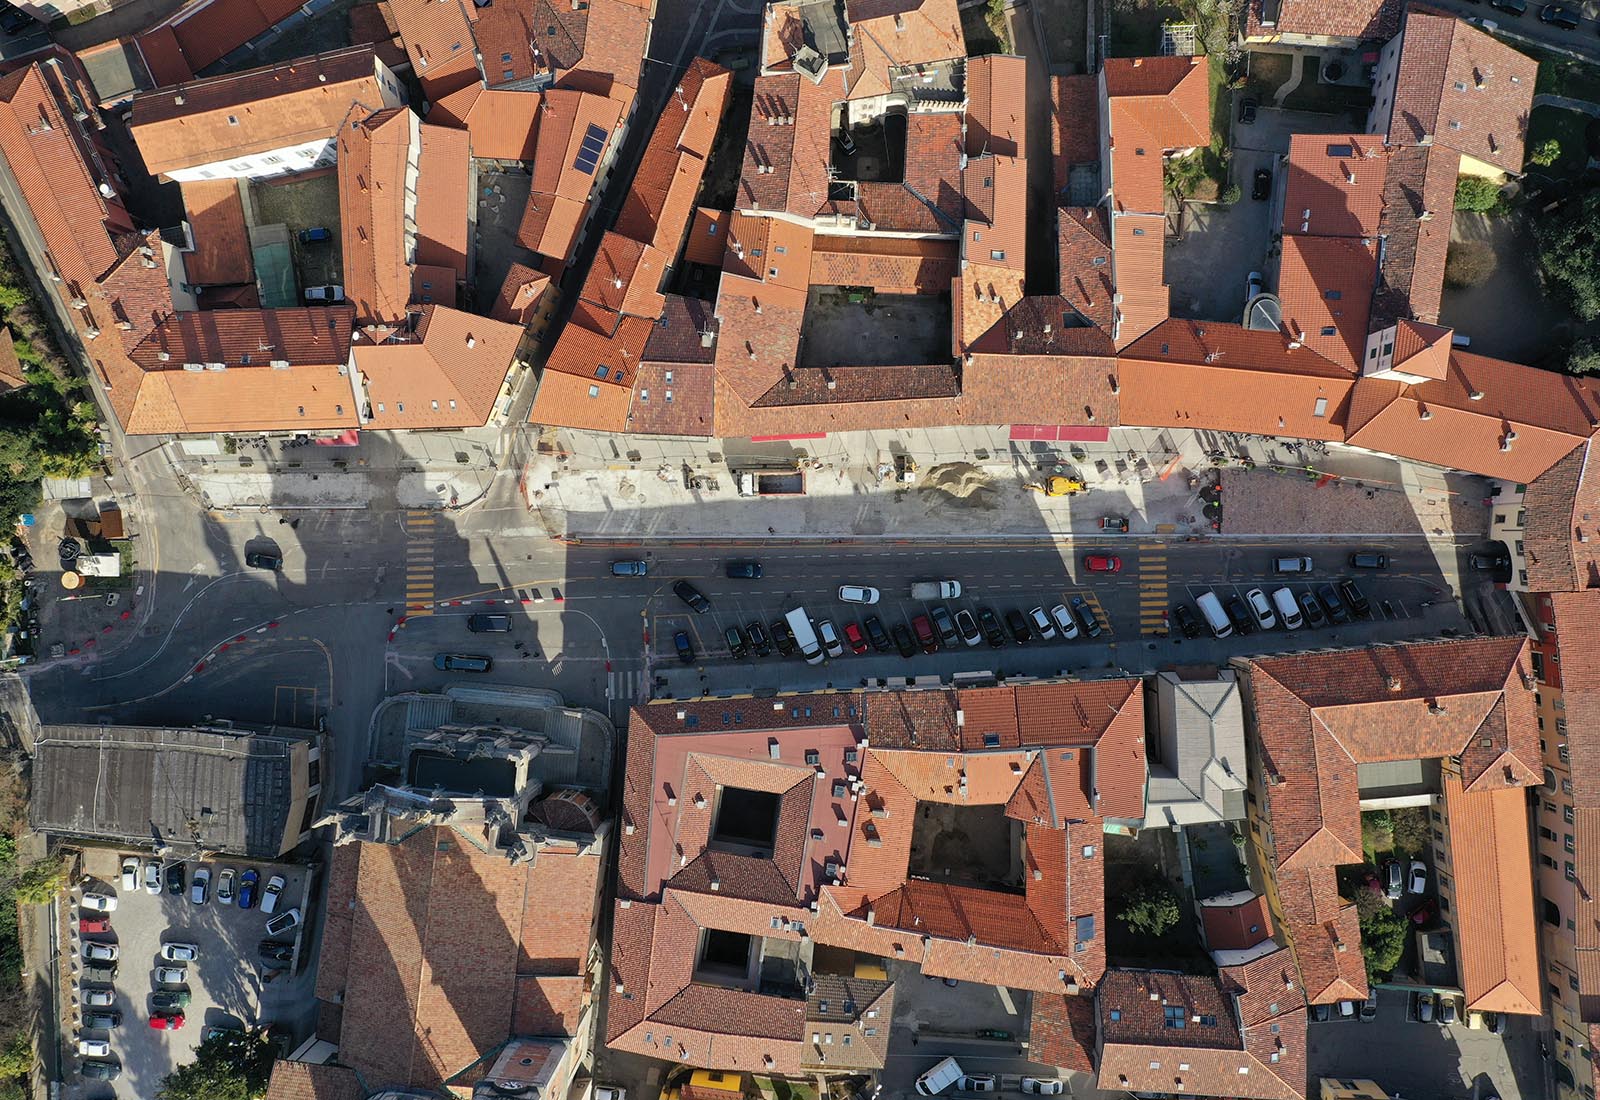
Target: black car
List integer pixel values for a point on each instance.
(1313, 610)
(461, 662)
(275, 951)
(738, 648)
(1510, 7)
(102, 1071)
(1017, 623)
(685, 648)
(1559, 15)
(903, 641)
(489, 624)
(1369, 559)
(1085, 616)
(175, 879)
(878, 636)
(1261, 189)
(103, 1021)
(783, 638)
(1332, 604)
(1239, 615)
(1359, 605)
(1187, 621)
(990, 625)
(690, 595)
(758, 639)
(744, 570)
(1247, 111)
(944, 624)
(1488, 563)
(263, 559)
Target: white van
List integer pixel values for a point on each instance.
(1216, 619)
(804, 636)
(1288, 609)
(940, 1077)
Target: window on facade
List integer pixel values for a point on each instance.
(1566, 814)
(1571, 871)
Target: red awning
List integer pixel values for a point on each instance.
(1060, 433)
(350, 437)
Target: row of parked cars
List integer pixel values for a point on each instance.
(232, 887)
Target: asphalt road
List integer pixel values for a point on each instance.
(1583, 42)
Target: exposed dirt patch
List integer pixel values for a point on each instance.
(959, 483)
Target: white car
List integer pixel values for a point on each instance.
(976, 1082)
(152, 876)
(99, 903)
(967, 627)
(1042, 624)
(857, 593)
(269, 896)
(1253, 285)
(1419, 877)
(324, 293)
(281, 923)
(100, 952)
(1347, 1009)
(830, 643)
(225, 886)
(200, 885)
(130, 874)
(94, 1048)
(1043, 1086)
(180, 952)
(1064, 621)
(171, 975)
(1261, 608)
(99, 998)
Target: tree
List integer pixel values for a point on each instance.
(1584, 358)
(1383, 940)
(1546, 153)
(41, 880)
(1468, 263)
(1411, 831)
(1377, 831)
(16, 1057)
(1150, 910)
(1479, 195)
(233, 1065)
(1569, 253)
(995, 16)
(1368, 902)
(1231, 194)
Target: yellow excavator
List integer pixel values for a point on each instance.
(1058, 486)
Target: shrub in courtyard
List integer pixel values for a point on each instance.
(1468, 263)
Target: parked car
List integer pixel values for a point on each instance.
(1043, 1086)
(217, 1030)
(758, 639)
(1488, 563)
(275, 951)
(738, 648)
(944, 624)
(264, 559)
(130, 874)
(100, 952)
(828, 635)
(1042, 625)
(743, 570)
(200, 886)
(684, 647)
(1417, 882)
(1320, 1013)
(99, 997)
(93, 1048)
(690, 595)
(101, 1071)
(1369, 559)
(169, 1000)
(328, 294)
(1239, 615)
(1496, 1022)
(967, 626)
(1065, 623)
(175, 879)
(1086, 616)
(1261, 186)
(1424, 913)
(1315, 616)
(1018, 626)
(1291, 563)
(1247, 115)
(1355, 598)
(1510, 7)
(283, 922)
(877, 635)
(1332, 604)
(88, 925)
(1261, 608)
(976, 1082)
(102, 1021)
(1447, 1010)
(858, 593)
(630, 569)
(98, 903)
(269, 896)
(171, 975)
(1188, 621)
(854, 638)
(993, 632)
(152, 877)
(167, 1021)
(98, 973)
(1559, 15)
(1347, 1010)
(903, 641)
(462, 662)
(1118, 524)
(1369, 1007)
(315, 234)
(247, 887)
(225, 881)
(1253, 285)
(783, 638)
(180, 952)
(1102, 563)
(1394, 879)
(489, 624)
(922, 627)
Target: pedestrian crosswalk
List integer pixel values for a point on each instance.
(420, 527)
(624, 684)
(1152, 589)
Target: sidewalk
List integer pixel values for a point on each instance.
(340, 489)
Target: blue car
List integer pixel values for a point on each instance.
(247, 888)
(315, 234)
(630, 568)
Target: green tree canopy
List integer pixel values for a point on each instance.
(1150, 910)
(1383, 940)
(1478, 194)
(1569, 253)
(234, 1065)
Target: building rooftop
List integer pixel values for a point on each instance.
(447, 373)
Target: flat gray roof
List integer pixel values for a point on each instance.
(218, 789)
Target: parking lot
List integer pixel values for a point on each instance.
(226, 984)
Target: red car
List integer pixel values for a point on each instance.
(94, 924)
(164, 1021)
(1102, 563)
(926, 638)
(854, 638)
(1425, 912)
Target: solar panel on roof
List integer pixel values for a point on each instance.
(594, 140)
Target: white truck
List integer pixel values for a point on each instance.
(935, 590)
(805, 635)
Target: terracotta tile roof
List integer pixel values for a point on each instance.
(1155, 104)
(1084, 247)
(1497, 938)
(247, 338)
(626, 276)
(678, 334)
(439, 43)
(448, 374)
(1335, 184)
(444, 200)
(614, 41)
(996, 209)
(588, 379)
(905, 32)
(1461, 88)
(374, 25)
(1138, 265)
(376, 185)
(566, 400)
(1061, 1032)
(275, 106)
(433, 286)
(1373, 20)
(1325, 286)
(949, 912)
(1422, 350)
(305, 1081)
(196, 35)
(1236, 927)
(503, 125)
(163, 56)
(995, 108)
(221, 245)
(1419, 202)
(1324, 933)
(567, 120)
(520, 295)
(786, 163)
(1551, 415)
(550, 224)
(707, 238)
(1562, 552)
(663, 191)
(672, 399)
(1075, 136)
